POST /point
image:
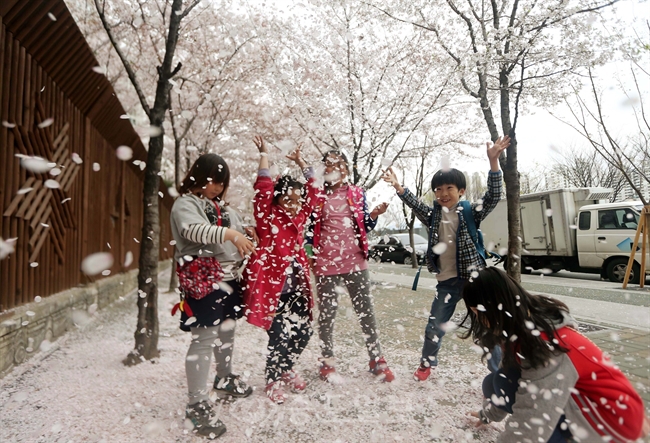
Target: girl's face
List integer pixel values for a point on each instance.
(211, 190)
(291, 202)
(336, 169)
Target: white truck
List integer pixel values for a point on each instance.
(571, 229)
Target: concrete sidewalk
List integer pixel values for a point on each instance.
(621, 329)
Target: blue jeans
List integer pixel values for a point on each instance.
(504, 383)
(442, 309)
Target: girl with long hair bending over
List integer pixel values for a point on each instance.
(555, 385)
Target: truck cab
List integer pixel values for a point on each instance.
(574, 229)
(605, 235)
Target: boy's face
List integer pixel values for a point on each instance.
(448, 195)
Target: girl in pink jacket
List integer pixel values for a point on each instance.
(278, 293)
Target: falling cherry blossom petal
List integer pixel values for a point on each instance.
(97, 263)
(124, 153)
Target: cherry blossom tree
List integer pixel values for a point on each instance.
(507, 54)
(352, 81)
(162, 21)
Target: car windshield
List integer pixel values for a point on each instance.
(417, 239)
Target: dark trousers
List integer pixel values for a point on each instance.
(504, 383)
(288, 335)
(449, 293)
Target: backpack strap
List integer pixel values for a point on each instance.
(477, 237)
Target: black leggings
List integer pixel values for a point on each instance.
(288, 335)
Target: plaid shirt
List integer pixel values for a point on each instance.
(467, 257)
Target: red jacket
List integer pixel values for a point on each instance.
(604, 395)
(281, 238)
(363, 223)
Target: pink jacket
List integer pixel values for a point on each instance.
(281, 237)
(363, 222)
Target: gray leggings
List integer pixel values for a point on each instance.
(217, 340)
(358, 286)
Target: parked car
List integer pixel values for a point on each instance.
(397, 248)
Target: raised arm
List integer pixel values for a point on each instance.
(422, 211)
(264, 153)
(263, 190)
(493, 194)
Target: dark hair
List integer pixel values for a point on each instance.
(208, 167)
(337, 153)
(510, 317)
(283, 185)
(448, 177)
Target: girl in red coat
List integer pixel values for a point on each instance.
(278, 294)
(554, 384)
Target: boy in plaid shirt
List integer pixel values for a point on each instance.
(451, 254)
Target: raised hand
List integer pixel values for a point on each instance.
(495, 150)
(296, 157)
(389, 177)
(259, 142)
(378, 210)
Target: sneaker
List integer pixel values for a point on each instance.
(231, 386)
(380, 368)
(326, 369)
(275, 392)
(422, 373)
(204, 420)
(294, 381)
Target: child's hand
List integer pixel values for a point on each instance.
(378, 210)
(478, 422)
(389, 177)
(252, 233)
(259, 142)
(296, 157)
(494, 151)
(244, 245)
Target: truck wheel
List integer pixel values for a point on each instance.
(616, 270)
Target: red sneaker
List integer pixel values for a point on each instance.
(325, 369)
(275, 392)
(294, 381)
(380, 368)
(422, 373)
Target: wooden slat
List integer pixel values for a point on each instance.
(39, 205)
(62, 133)
(32, 202)
(39, 228)
(37, 249)
(31, 182)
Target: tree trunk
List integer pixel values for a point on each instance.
(511, 178)
(173, 278)
(146, 333)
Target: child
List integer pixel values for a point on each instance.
(278, 294)
(556, 384)
(451, 253)
(201, 225)
(339, 242)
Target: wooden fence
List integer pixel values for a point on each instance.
(54, 106)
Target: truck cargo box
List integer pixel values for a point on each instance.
(548, 221)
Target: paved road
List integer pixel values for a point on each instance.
(590, 300)
(617, 320)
